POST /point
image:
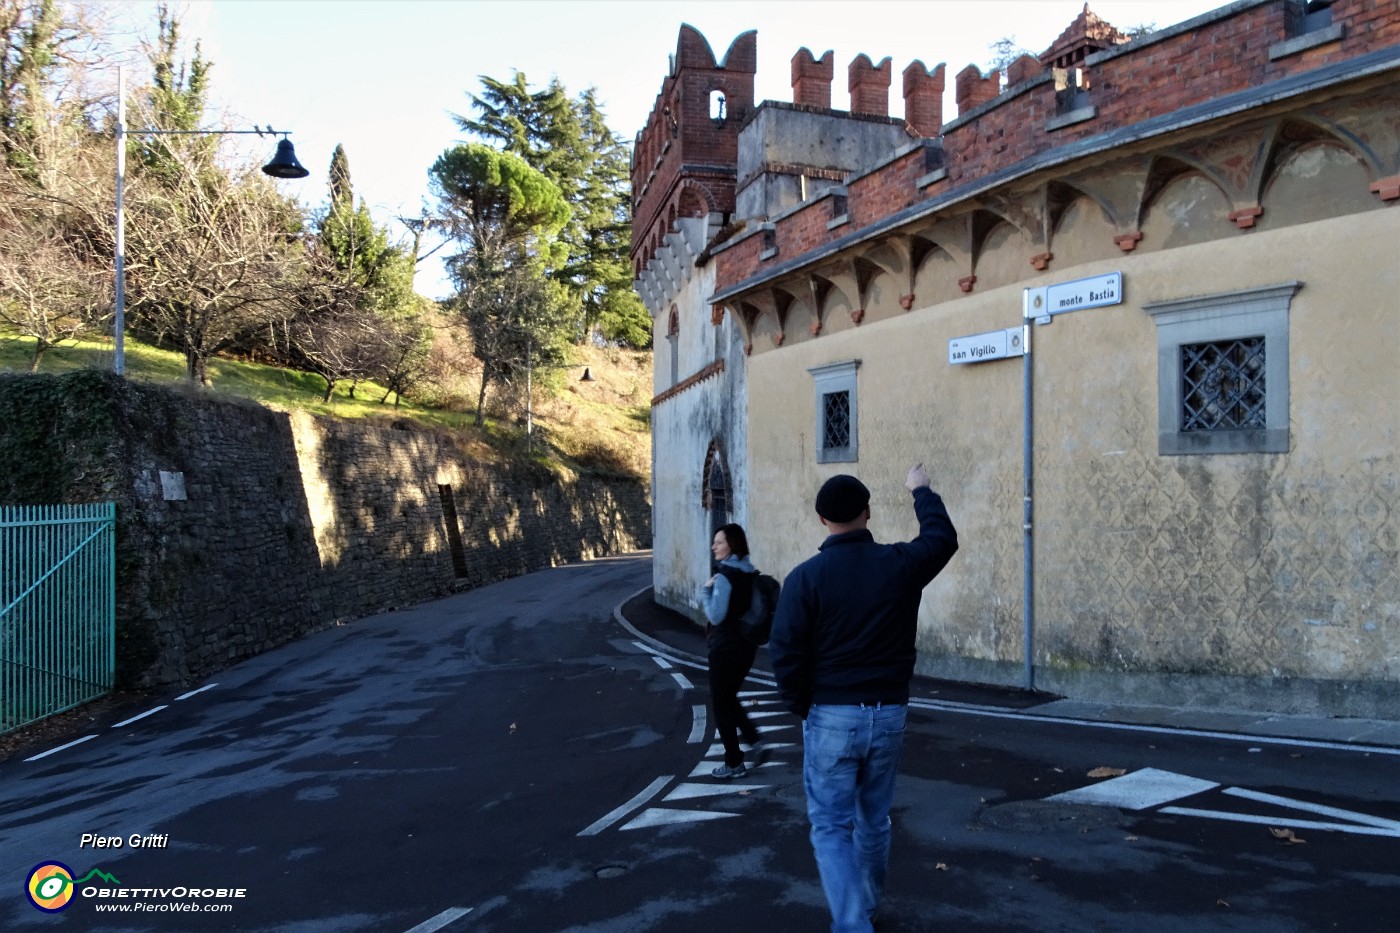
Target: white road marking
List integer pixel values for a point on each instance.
(650, 791)
(60, 748)
(149, 712)
(441, 920)
(661, 662)
(659, 817)
(1151, 787)
(186, 696)
(672, 656)
(1148, 787)
(1277, 821)
(680, 679)
(687, 791)
(993, 712)
(1317, 808)
(698, 725)
(704, 768)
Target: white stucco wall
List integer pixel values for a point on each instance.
(683, 427)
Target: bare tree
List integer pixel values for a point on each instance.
(49, 290)
(329, 329)
(406, 342)
(55, 173)
(209, 253)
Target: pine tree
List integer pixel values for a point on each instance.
(504, 216)
(569, 142)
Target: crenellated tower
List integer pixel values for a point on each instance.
(684, 163)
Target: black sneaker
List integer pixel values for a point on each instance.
(724, 772)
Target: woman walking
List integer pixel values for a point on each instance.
(725, 598)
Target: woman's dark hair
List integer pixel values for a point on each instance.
(738, 541)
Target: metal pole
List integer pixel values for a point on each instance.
(119, 322)
(1028, 469)
(529, 394)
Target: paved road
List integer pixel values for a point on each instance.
(521, 758)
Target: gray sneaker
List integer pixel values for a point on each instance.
(724, 772)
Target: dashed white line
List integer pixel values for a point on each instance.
(661, 662)
(697, 725)
(441, 920)
(186, 696)
(53, 751)
(149, 712)
(681, 679)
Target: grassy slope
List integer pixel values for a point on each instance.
(602, 425)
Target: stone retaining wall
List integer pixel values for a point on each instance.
(241, 528)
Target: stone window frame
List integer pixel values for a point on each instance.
(1250, 312)
(827, 380)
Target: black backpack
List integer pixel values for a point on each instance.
(757, 621)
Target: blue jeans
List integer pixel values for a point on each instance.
(850, 759)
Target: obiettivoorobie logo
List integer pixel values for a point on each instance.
(50, 885)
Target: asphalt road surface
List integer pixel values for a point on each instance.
(521, 758)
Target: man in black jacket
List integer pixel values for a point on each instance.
(843, 651)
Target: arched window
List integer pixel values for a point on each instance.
(717, 496)
(717, 103)
(673, 335)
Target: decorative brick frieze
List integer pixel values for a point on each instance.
(714, 369)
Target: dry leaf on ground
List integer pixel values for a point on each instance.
(1108, 772)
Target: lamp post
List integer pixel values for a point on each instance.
(283, 165)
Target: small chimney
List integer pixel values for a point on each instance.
(923, 98)
(811, 79)
(870, 86)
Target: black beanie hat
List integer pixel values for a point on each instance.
(842, 498)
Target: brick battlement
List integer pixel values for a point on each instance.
(1109, 89)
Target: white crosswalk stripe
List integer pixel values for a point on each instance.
(763, 706)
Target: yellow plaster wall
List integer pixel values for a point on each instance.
(1250, 564)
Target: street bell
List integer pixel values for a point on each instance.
(284, 164)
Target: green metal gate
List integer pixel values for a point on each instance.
(57, 608)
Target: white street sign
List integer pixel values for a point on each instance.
(1094, 292)
(993, 345)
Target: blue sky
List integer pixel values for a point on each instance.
(383, 77)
